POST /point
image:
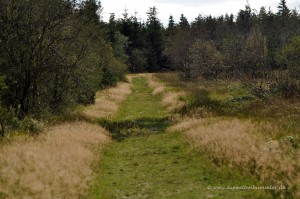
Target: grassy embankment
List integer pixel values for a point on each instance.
(146, 160)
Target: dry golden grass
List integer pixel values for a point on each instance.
(244, 144)
(170, 99)
(107, 101)
(268, 149)
(56, 164)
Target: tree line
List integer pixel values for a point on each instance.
(53, 55)
(251, 45)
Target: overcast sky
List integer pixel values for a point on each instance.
(190, 8)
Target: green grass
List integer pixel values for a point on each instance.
(146, 161)
(230, 98)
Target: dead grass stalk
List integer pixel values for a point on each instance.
(56, 164)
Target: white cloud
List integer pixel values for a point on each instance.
(190, 8)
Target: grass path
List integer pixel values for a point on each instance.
(145, 161)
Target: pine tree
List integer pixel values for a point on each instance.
(155, 41)
(283, 10)
(112, 28)
(244, 20)
(171, 26)
(183, 22)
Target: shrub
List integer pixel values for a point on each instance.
(31, 125)
(291, 54)
(286, 89)
(207, 61)
(8, 120)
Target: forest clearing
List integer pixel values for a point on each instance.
(150, 149)
(178, 99)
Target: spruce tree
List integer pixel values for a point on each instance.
(155, 41)
(183, 22)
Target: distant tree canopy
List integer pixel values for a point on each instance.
(249, 41)
(250, 44)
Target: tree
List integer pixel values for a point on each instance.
(52, 54)
(119, 46)
(254, 53)
(206, 60)
(171, 27)
(291, 54)
(92, 9)
(244, 20)
(112, 28)
(178, 50)
(183, 22)
(155, 40)
(283, 10)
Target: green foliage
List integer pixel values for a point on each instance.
(206, 60)
(30, 125)
(120, 46)
(286, 89)
(8, 120)
(178, 50)
(138, 60)
(2, 82)
(291, 54)
(54, 56)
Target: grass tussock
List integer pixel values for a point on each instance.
(170, 96)
(107, 101)
(56, 164)
(226, 121)
(247, 145)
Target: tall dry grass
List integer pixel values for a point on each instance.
(170, 97)
(245, 144)
(107, 101)
(56, 164)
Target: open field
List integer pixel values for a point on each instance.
(160, 139)
(223, 119)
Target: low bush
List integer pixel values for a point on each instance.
(8, 120)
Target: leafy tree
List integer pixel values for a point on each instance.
(291, 53)
(139, 60)
(91, 9)
(206, 60)
(53, 55)
(178, 50)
